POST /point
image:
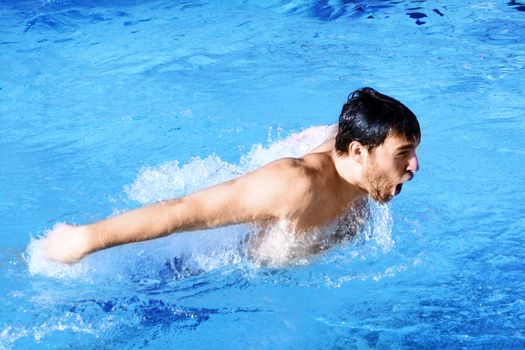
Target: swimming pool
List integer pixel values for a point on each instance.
(107, 105)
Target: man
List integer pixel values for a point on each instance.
(373, 154)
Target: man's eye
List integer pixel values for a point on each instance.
(405, 153)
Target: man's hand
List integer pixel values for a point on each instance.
(65, 243)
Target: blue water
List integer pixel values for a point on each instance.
(109, 105)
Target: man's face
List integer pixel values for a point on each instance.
(388, 166)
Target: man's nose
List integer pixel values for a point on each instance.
(413, 164)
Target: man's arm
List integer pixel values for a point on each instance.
(256, 196)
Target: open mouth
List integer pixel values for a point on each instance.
(399, 187)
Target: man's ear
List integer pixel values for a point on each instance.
(357, 151)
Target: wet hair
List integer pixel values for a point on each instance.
(369, 116)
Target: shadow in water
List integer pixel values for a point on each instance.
(520, 6)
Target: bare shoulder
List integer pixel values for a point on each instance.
(306, 168)
(280, 186)
(278, 189)
(302, 177)
(283, 171)
(320, 162)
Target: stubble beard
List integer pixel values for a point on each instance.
(377, 184)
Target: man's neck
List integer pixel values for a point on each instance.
(350, 176)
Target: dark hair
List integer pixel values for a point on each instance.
(368, 116)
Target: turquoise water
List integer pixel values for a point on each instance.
(108, 105)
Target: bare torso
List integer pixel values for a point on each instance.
(320, 204)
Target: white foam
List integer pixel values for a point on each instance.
(295, 145)
(39, 265)
(196, 252)
(170, 180)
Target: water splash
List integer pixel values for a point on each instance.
(378, 228)
(170, 180)
(295, 145)
(39, 265)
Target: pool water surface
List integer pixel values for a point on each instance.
(109, 105)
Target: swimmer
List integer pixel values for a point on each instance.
(372, 153)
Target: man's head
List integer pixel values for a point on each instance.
(381, 134)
